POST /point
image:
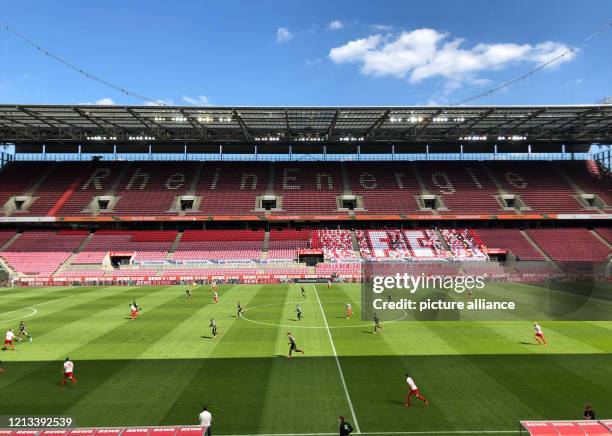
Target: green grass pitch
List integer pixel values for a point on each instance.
(478, 376)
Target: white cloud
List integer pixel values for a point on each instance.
(335, 25)
(283, 35)
(200, 100)
(356, 50)
(160, 102)
(381, 27)
(425, 53)
(106, 101)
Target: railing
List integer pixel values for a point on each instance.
(140, 157)
(604, 157)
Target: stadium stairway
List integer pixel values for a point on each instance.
(32, 190)
(68, 193)
(174, 246)
(500, 189)
(4, 246)
(419, 178)
(68, 261)
(271, 178)
(602, 239)
(9, 242)
(536, 246)
(3, 263)
(442, 241)
(265, 248)
(355, 245)
(346, 183)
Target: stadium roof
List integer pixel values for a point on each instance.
(82, 124)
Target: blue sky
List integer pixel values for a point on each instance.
(308, 53)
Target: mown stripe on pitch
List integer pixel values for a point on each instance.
(448, 382)
(246, 390)
(39, 298)
(552, 386)
(481, 382)
(158, 323)
(69, 314)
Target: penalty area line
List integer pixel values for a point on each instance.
(331, 340)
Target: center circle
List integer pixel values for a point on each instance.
(305, 326)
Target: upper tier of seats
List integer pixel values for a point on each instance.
(227, 188)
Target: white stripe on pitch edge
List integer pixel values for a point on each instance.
(331, 340)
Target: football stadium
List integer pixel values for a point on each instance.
(392, 270)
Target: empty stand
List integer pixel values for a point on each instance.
(509, 239)
(143, 245)
(231, 188)
(570, 245)
(285, 243)
(465, 188)
(203, 245)
(42, 252)
(387, 188)
(589, 178)
(308, 187)
(539, 184)
(606, 233)
(151, 188)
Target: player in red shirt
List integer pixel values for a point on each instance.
(68, 372)
(349, 310)
(133, 311)
(8, 340)
(215, 296)
(413, 390)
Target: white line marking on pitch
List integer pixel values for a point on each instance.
(34, 312)
(331, 340)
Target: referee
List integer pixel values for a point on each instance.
(205, 418)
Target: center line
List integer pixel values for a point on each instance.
(331, 340)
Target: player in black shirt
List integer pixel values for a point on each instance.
(345, 427)
(298, 312)
(23, 332)
(376, 323)
(589, 414)
(303, 292)
(187, 295)
(239, 308)
(213, 328)
(292, 346)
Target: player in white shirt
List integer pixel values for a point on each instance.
(413, 390)
(9, 340)
(205, 418)
(68, 372)
(540, 339)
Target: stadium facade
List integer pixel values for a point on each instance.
(94, 194)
